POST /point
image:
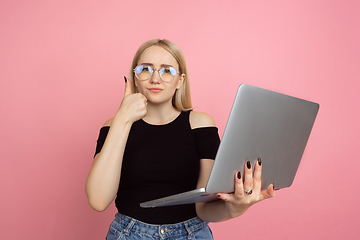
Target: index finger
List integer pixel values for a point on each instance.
(239, 187)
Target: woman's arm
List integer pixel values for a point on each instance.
(103, 180)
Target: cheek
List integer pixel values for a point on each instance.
(174, 88)
(139, 86)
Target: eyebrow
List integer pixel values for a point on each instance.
(162, 65)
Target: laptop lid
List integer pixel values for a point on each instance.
(267, 125)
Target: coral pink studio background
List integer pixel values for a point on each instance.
(61, 70)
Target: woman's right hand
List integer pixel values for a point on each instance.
(103, 180)
(133, 105)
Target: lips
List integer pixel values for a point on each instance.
(155, 90)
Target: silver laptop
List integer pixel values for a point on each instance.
(262, 124)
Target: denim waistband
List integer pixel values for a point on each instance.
(162, 231)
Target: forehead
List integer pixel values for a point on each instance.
(157, 56)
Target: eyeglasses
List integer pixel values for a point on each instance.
(144, 72)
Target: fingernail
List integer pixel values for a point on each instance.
(125, 79)
(248, 164)
(218, 195)
(273, 186)
(239, 175)
(259, 161)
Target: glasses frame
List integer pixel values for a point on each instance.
(154, 69)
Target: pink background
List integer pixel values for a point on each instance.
(61, 77)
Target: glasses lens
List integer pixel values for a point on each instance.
(143, 72)
(168, 74)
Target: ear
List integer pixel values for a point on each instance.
(180, 81)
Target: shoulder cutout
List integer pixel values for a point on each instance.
(200, 119)
(108, 122)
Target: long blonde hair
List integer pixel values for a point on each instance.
(181, 99)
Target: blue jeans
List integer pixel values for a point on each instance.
(124, 227)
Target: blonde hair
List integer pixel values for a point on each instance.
(181, 99)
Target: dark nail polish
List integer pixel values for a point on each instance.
(125, 79)
(218, 195)
(239, 175)
(259, 161)
(248, 164)
(273, 186)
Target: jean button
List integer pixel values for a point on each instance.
(163, 231)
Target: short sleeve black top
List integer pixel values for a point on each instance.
(161, 160)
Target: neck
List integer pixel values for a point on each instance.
(159, 114)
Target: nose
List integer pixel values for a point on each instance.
(155, 78)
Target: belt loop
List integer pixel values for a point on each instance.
(127, 229)
(190, 234)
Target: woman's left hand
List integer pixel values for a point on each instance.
(247, 191)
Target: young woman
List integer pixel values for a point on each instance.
(157, 146)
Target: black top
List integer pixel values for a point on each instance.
(161, 160)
